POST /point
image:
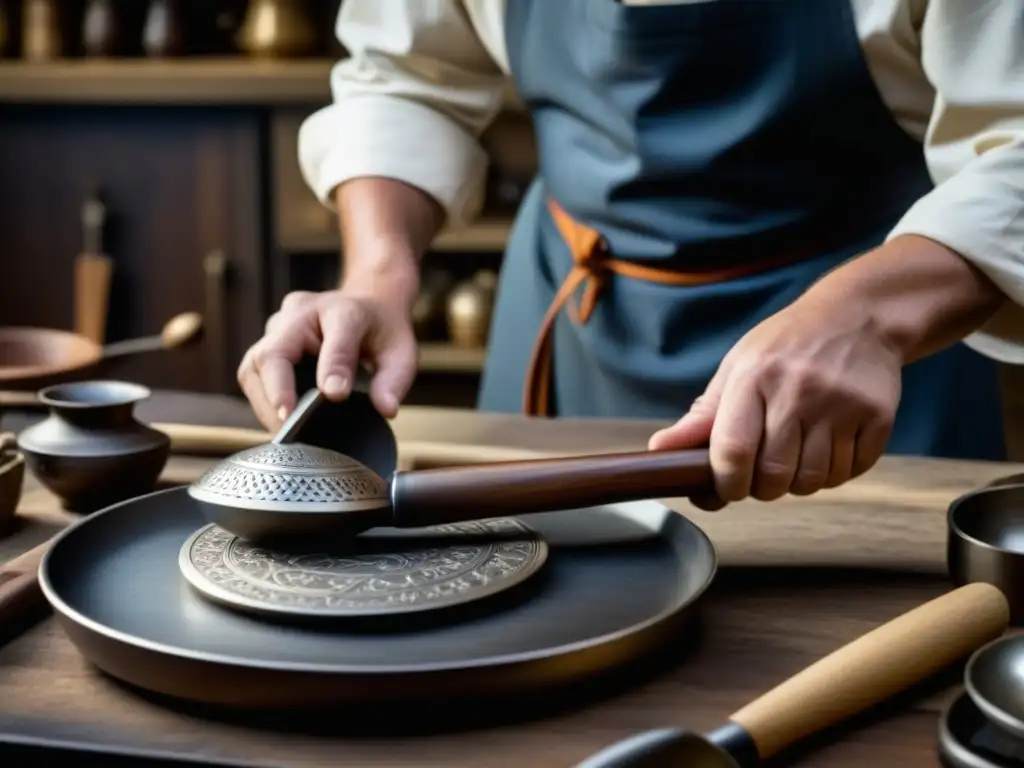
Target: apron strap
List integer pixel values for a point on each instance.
(592, 268)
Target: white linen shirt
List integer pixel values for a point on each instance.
(426, 77)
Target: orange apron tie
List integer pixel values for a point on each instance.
(591, 269)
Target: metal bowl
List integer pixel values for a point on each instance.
(985, 542)
(292, 490)
(31, 358)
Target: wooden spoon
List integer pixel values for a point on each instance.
(177, 332)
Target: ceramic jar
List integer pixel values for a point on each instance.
(91, 451)
(162, 31)
(100, 33)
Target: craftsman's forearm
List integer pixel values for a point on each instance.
(919, 295)
(386, 226)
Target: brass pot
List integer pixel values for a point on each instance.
(277, 29)
(469, 310)
(41, 33)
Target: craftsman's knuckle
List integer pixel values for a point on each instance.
(774, 470)
(770, 370)
(876, 408)
(296, 300)
(808, 481)
(263, 354)
(733, 453)
(342, 313)
(814, 382)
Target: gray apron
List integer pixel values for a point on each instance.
(716, 135)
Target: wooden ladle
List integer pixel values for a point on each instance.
(177, 332)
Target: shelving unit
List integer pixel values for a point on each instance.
(484, 235)
(224, 81)
(277, 237)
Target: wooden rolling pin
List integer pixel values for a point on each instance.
(199, 440)
(862, 674)
(222, 441)
(21, 400)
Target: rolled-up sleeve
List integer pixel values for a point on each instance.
(409, 104)
(973, 54)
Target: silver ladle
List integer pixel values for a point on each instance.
(287, 489)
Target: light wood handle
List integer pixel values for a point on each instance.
(412, 454)
(215, 271)
(93, 274)
(875, 667)
(16, 399)
(211, 441)
(426, 454)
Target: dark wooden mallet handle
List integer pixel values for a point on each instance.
(456, 494)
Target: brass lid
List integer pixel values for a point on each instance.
(292, 477)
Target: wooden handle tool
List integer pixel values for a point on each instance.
(875, 667)
(20, 593)
(200, 440)
(93, 274)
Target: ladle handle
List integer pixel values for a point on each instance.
(875, 667)
(457, 494)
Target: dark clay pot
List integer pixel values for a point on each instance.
(91, 452)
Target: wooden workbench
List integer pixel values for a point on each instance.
(800, 577)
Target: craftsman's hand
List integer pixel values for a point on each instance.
(805, 401)
(341, 327)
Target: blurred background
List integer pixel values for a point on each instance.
(161, 136)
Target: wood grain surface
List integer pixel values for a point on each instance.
(800, 578)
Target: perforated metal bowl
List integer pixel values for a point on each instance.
(276, 490)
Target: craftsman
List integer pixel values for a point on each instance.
(798, 224)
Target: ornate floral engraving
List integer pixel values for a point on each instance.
(369, 583)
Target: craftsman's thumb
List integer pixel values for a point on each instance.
(691, 431)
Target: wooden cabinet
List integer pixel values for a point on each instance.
(196, 162)
(184, 196)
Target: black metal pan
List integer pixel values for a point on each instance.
(619, 581)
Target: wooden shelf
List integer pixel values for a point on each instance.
(226, 80)
(440, 357)
(484, 235)
(191, 81)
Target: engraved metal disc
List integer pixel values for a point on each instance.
(454, 564)
(291, 477)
